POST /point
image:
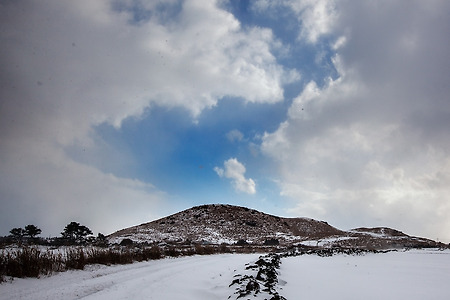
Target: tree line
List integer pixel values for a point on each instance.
(73, 234)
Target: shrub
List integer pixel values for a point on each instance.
(152, 253)
(241, 243)
(224, 248)
(271, 242)
(251, 223)
(204, 250)
(172, 251)
(126, 242)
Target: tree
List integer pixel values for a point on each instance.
(101, 240)
(32, 231)
(75, 232)
(17, 233)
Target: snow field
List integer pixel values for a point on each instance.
(415, 274)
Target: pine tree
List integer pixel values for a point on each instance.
(76, 233)
(17, 233)
(32, 231)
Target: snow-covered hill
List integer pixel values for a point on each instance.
(218, 223)
(226, 224)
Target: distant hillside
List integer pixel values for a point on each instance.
(218, 223)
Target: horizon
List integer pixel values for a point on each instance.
(115, 113)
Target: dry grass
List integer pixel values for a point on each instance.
(31, 261)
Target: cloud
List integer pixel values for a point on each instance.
(89, 56)
(371, 147)
(315, 18)
(67, 67)
(235, 171)
(235, 135)
(43, 186)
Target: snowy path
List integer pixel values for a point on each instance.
(197, 277)
(416, 274)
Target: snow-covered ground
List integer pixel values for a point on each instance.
(415, 274)
(195, 277)
(327, 242)
(418, 274)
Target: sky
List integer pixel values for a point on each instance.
(118, 112)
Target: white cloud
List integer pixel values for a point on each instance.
(235, 135)
(81, 64)
(219, 171)
(235, 171)
(371, 148)
(316, 18)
